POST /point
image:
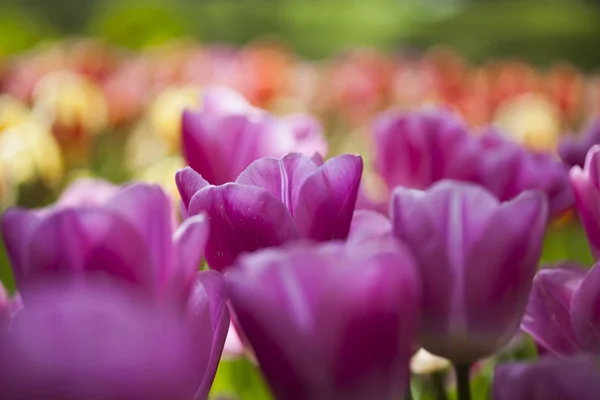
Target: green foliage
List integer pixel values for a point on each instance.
(566, 242)
(241, 380)
(21, 29)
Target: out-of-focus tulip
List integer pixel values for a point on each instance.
(577, 378)
(28, 152)
(272, 202)
(329, 321)
(367, 224)
(530, 120)
(128, 234)
(228, 134)
(71, 104)
(561, 315)
(12, 112)
(586, 185)
(162, 174)
(103, 341)
(572, 150)
(477, 258)
(164, 113)
(437, 145)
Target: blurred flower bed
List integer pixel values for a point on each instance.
(82, 108)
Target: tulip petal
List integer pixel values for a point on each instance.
(188, 183)
(85, 241)
(501, 267)
(87, 192)
(149, 209)
(585, 311)
(200, 147)
(242, 219)
(548, 317)
(17, 227)
(283, 178)
(587, 197)
(550, 379)
(209, 293)
(367, 225)
(327, 199)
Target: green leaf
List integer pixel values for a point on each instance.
(239, 379)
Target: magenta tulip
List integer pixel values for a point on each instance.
(128, 234)
(576, 378)
(572, 150)
(329, 321)
(563, 315)
(477, 258)
(586, 185)
(103, 341)
(228, 134)
(418, 149)
(272, 202)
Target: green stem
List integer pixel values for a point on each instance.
(439, 386)
(462, 381)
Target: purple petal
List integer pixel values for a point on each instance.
(149, 210)
(368, 225)
(327, 199)
(97, 342)
(587, 199)
(500, 269)
(307, 135)
(283, 177)
(188, 183)
(189, 243)
(585, 311)
(74, 242)
(548, 317)
(220, 100)
(17, 227)
(87, 192)
(242, 219)
(209, 294)
(550, 379)
(573, 150)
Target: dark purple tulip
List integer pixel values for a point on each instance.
(418, 149)
(329, 321)
(477, 258)
(272, 202)
(586, 185)
(100, 340)
(228, 134)
(563, 315)
(128, 234)
(572, 150)
(577, 378)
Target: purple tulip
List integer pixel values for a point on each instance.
(368, 225)
(577, 378)
(572, 150)
(129, 235)
(418, 149)
(563, 315)
(228, 134)
(477, 258)
(329, 321)
(586, 185)
(273, 202)
(99, 340)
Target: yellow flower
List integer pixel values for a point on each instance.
(424, 363)
(12, 112)
(28, 151)
(163, 173)
(531, 120)
(164, 114)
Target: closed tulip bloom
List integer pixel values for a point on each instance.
(272, 202)
(227, 134)
(125, 233)
(104, 341)
(329, 321)
(419, 149)
(477, 258)
(576, 378)
(586, 185)
(562, 312)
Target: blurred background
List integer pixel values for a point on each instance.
(539, 31)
